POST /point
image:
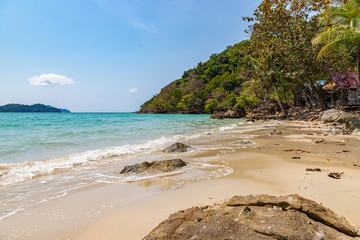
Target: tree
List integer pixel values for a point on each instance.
(344, 30)
(282, 41)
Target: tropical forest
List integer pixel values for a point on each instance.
(293, 47)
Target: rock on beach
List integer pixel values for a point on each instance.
(163, 166)
(252, 217)
(176, 147)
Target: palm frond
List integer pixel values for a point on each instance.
(333, 46)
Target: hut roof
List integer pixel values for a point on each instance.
(347, 80)
(330, 86)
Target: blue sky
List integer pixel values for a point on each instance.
(108, 55)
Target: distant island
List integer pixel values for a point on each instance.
(31, 108)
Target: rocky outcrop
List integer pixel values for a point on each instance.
(352, 122)
(238, 112)
(256, 217)
(334, 115)
(163, 166)
(217, 116)
(176, 147)
(264, 108)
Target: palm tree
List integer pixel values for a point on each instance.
(344, 31)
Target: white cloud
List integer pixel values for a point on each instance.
(50, 79)
(133, 90)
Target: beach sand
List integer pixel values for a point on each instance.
(274, 165)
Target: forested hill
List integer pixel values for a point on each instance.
(211, 86)
(292, 45)
(30, 108)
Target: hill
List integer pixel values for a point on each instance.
(30, 108)
(211, 86)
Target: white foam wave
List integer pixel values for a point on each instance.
(19, 172)
(225, 128)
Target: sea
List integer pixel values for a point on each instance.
(45, 156)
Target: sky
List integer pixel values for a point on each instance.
(109, 55)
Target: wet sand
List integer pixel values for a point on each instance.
(273, 164)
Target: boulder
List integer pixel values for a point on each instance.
(238, 112)
(176, 147)
(353, 123)
(163, 166)
(217, 116)
(334, 115)
(256, 217)
(266, 107)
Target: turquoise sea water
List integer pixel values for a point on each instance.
(28, 137)
(46, 156)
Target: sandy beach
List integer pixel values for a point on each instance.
(261, 162)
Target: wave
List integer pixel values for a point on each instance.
(19, 172)
(12, 173)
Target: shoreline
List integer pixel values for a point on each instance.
(263, 167)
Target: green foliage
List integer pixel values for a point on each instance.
(218, 78)
(210, 107)
(246, 98)
(342, 33)
(277, 60)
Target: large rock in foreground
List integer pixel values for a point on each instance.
(257, 217)
(163, 166)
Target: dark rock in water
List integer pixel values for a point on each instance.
(164, 166)
(256, 217)
(177, 147)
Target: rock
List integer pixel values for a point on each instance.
(256, 217)
(238, 112)
(336, 175)
(176, 147)
(313, 169)
(319, 140)
(353, 123)
(164, 166)
(267, 107)
(334, 115)
(217, 116)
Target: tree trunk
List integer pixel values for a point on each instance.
(358, 61)
(323, 104)
(279, 101)
(267, 94)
